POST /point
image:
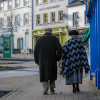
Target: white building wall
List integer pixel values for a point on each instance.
(22, 28)
(81, 10)
(43, 8)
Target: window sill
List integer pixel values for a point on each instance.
(52, 1)
(45, 2)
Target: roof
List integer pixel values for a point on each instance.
(76, 2)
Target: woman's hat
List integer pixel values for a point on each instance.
(73, 32)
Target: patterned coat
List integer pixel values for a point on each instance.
(74, 56)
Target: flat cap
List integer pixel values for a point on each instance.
(73, 32)
(48, 30)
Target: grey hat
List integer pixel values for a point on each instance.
(48, 30)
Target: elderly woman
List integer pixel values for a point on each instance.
(74, 59)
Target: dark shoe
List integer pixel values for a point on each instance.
(45, 93)
(74, 90)
(77, 89)
(52, 90)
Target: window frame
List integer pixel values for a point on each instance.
(52, 17)
(75, 15)
(1, 8)
(17, 3)
(24, 2)
(37, 2)
(38, 20)
(45, 1)
(45, 19)
(25, 14)
(9, 6)
(60, 16)
(16, 22)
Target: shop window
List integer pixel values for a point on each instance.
(45, 18)
(44, 1)
(37, 19)
(75, 19)
(60, 15)
(26, 19)
(9, 4)
(52, 17)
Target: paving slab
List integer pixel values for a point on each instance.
(29, 88)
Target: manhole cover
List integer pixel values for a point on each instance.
(2, 93)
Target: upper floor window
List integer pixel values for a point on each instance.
(45, 18)
(37, 2)
(26, 2)
(9, 4)
(1, 22)
(52, 17)
(17, 3)
(75, 19)
(26, 18)
(17, 20)
(60, 15)
(37, 19)
(52, 0)
(44, 1)
(1, 6)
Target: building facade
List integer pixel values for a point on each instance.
(50, 14)
(76, 17)
(16, 21)
(93, 14)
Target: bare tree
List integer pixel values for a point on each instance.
(12, 23)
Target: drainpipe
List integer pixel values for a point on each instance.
(32, 21)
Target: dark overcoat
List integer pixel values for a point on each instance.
(46, 53)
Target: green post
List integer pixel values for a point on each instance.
(7, 46)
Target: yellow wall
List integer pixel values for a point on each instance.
(61, 32)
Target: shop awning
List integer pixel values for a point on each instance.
(87, 35)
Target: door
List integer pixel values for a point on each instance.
(6, 46)
(26, 41)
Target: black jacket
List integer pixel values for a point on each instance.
(46, 53)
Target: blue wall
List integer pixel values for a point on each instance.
(93, 14)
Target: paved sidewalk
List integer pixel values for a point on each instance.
(19, 57)
(32, 90)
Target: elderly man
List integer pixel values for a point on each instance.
(46, 53)
(74, 59)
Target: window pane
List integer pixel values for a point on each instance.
(37, 19)
(75, 19)
(26, 19)
(45, 18)
(52, 16)
(9, 4)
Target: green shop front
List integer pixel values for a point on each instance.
(59, 32)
